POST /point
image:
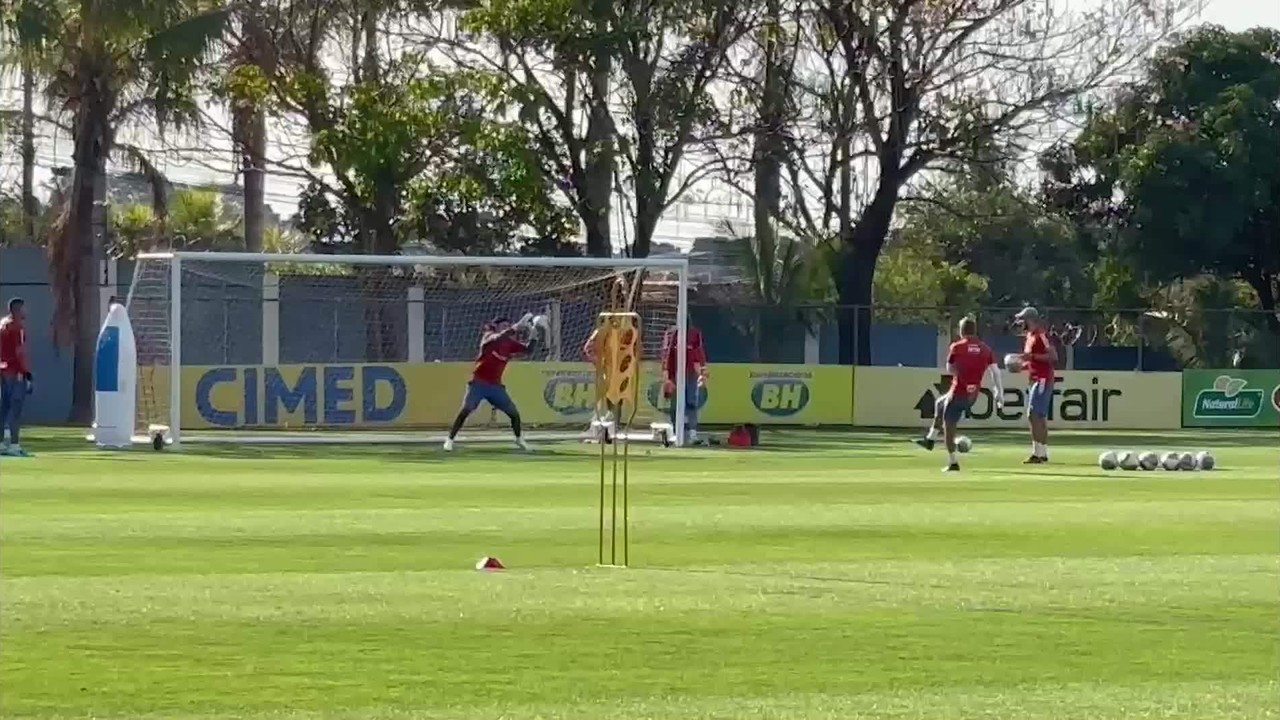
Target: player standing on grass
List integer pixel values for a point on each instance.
(968, 360)
(1040, 357)
(498, 344)
(695, 376)
(15, 377)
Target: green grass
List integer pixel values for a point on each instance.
(832, 575)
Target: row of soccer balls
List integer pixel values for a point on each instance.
(1130, 460)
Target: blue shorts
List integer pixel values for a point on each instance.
(1040, 398)
(479, 391)
(954, 407)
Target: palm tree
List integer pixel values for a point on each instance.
(108, 64)
(789, 282)
(23, 30)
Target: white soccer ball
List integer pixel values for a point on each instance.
(1171, 461)
(1127, 460)
(1107, 461)
(1148, 461)
(1013, 362)
(1187, 462)
(1205, 461)
(963, 444)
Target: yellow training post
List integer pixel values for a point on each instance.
(617, 389)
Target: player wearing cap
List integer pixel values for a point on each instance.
(498, 344)
(1039, 357)
(968, 361)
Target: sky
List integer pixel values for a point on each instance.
(1242, 14)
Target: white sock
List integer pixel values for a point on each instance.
(1039, 450)
(932, 434)
(951, 458)
(1035, 448)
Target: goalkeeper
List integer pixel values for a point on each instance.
(499, 342)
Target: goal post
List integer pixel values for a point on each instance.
(250, 347)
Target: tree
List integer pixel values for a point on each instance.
(25, 35)
(561, 59)
(892, 88)
(788, 280)
(1183, 162)
(195, 220)
(917, 284)
(416, 156)
(994, 230)
(108, 63)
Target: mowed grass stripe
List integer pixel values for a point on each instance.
(829, 577)
(253, 666)
(1216, 584)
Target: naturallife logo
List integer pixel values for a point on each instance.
(1228, 398)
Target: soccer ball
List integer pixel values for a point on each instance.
(1148, 461)
(1013, 362)
(964, 444)
(1127, 460)
(1171, 461)
(1107, 461)
(1187, 462)
(1205, 461)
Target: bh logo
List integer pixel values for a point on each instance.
(572, 394)
(654, 393)
(780, 396)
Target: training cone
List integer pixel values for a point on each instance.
(489, 563)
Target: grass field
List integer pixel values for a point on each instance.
(833, 575)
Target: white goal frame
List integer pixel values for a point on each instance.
(176, 437)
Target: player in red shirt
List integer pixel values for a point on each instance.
(1039, 357)
(15, 377)
(968, 361)
(695, 376)
(499, 342)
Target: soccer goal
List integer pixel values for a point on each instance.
(250, 347)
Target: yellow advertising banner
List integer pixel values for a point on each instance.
(904, 397)
(428, 394)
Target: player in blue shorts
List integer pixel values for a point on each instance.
(968, 361)
(499, 342)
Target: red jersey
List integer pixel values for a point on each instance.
(13, 348)
(494, 355)
(1038, 344)
(969, 358)
(695, 354)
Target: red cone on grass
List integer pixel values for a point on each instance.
(489, 563)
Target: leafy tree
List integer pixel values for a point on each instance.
(1183, 162)
(917, 284)
(615, 93)
(1026, 253)
(105, 64)
(892, 88)
(419, 157)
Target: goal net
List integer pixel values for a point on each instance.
(331, 348)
